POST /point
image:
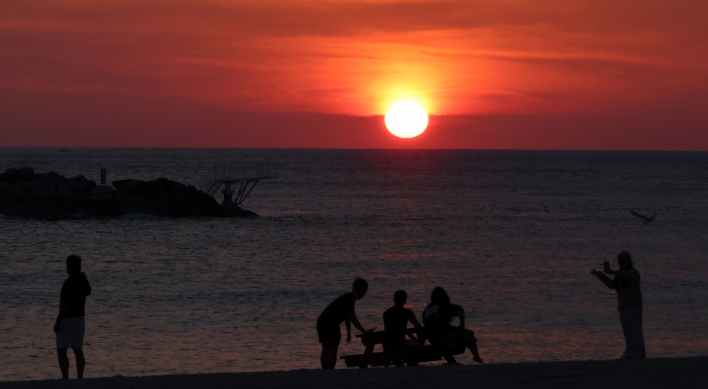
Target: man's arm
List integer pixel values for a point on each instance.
(355, 321)
(62, 312)
(627, 275)
(416, 324)
(605, 279)
(88, 286)
(461, 315)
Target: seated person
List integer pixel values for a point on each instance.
(396, 321)
(437, 318)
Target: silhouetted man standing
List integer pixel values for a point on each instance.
(629, 294)
(340, 310)
(70, 324)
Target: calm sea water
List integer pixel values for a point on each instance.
(512, 236)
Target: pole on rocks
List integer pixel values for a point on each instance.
(103, 176)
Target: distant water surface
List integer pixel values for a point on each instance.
(512, 235)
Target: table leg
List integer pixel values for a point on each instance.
(369, 350)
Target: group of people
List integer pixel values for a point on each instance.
(437, 316)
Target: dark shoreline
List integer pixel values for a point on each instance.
(688, 372)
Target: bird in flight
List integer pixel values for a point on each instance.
(646, 219)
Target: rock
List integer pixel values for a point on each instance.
(100, 200)
(157, 187)
(51, 176)
(65, 196)
(8, 188)
(49, 195)
(101, 190)
(24, 174)
(173, 199)
(233, 210)
(130, 187)
(34, 206)
(50, 180)
(139, 204)
(105, 211)
(80, 185)
(178, 202)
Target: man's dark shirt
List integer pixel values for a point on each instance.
(336, 312)
(396, 321)
(73, 294)
(437, 318)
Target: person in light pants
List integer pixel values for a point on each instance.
(70, 325)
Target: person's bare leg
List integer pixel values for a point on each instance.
(63, 362)
(324, 355)
(450, 360)
(472, 345)
(80, 362)
(333, 356)
(328, 359)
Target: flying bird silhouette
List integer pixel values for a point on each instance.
(646, 219)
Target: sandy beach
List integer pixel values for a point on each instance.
(649, 373)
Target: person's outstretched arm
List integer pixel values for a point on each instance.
(355, 321)
(627, 275)
(605, 279)
(87, 287)
(415, 322)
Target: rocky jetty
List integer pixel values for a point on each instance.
(24, 193)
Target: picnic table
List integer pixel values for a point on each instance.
(398, 356)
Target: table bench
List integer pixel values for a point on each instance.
(399, 356)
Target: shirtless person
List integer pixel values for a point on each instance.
(340, 310)
(396, 321)
(70, 324)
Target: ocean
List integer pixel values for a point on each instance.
(511, 235)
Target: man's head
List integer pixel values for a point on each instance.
(359, 288)
(624, 260)
(73, 264)
(400, 298)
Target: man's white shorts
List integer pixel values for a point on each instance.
(71, 332)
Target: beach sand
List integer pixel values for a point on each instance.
(649, 373)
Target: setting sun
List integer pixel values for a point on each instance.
(406, 119)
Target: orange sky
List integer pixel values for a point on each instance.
(494, 74)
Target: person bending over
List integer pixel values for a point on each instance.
(340, 310)
(626, 284)
(70, 325)
(437, 318)
(396, 321)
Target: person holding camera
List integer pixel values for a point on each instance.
(626, 283)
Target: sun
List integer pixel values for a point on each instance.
(406, 119)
